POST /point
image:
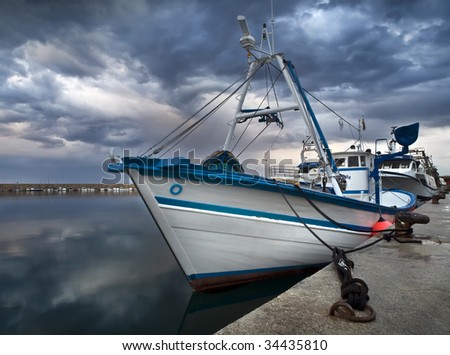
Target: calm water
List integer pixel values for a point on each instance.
(96, 264)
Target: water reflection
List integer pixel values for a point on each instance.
(208, 313)
(77, 264)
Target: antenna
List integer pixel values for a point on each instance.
(244, 26)
(272, 23)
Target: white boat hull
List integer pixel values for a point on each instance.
(226, 248)
(418, 187)
(223, 235)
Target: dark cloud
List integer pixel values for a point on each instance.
(25, 20)
(123, 73)
(46, 141)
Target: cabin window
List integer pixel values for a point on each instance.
(353, 161)
(404, 165)
(340, 162)
(395, 165)
(363, 161)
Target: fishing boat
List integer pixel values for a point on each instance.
(356, 165)
(226, 226)
(411, 172)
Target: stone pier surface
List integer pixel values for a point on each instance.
(409, 289)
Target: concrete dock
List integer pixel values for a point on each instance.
(409, 289)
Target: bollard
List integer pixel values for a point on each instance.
(404, 221)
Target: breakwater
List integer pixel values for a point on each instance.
(51, 188)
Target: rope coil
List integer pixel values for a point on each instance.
(354, 291)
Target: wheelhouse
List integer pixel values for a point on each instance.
(353, 159)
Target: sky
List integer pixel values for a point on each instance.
(78, 78)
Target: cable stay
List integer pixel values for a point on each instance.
(361, 121)
(178, 137)
(267, 118)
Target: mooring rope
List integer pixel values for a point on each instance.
(354, 291)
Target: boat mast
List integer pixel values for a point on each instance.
(300, 101)
(272, 23)
(310, 121)
(251, 71)
(248, 42)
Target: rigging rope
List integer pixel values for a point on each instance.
(191, 117)
(266, 97)
(341, 119)
(329, 108)
(254, 139)
(156, 151)
(187, 132)
(242, 134)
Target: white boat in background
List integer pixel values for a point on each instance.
(405, 173)
(430, 168)
(225, 226)
(354, 164)
(410, 172)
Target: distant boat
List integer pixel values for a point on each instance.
(410, 172)
(227, 227)
(405, 173)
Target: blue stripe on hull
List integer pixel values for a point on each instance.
(253, 213)
(355, 192)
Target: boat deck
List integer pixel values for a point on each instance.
(408, 285)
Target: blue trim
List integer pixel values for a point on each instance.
(348, 192)
(296, 80)
(194, 277)
(406, 135)
(375, 174)
(181, 168)
(252, 213)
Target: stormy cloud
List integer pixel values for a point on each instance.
(80, 77)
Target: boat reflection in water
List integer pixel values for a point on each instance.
(94, 264)
(210, 312)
